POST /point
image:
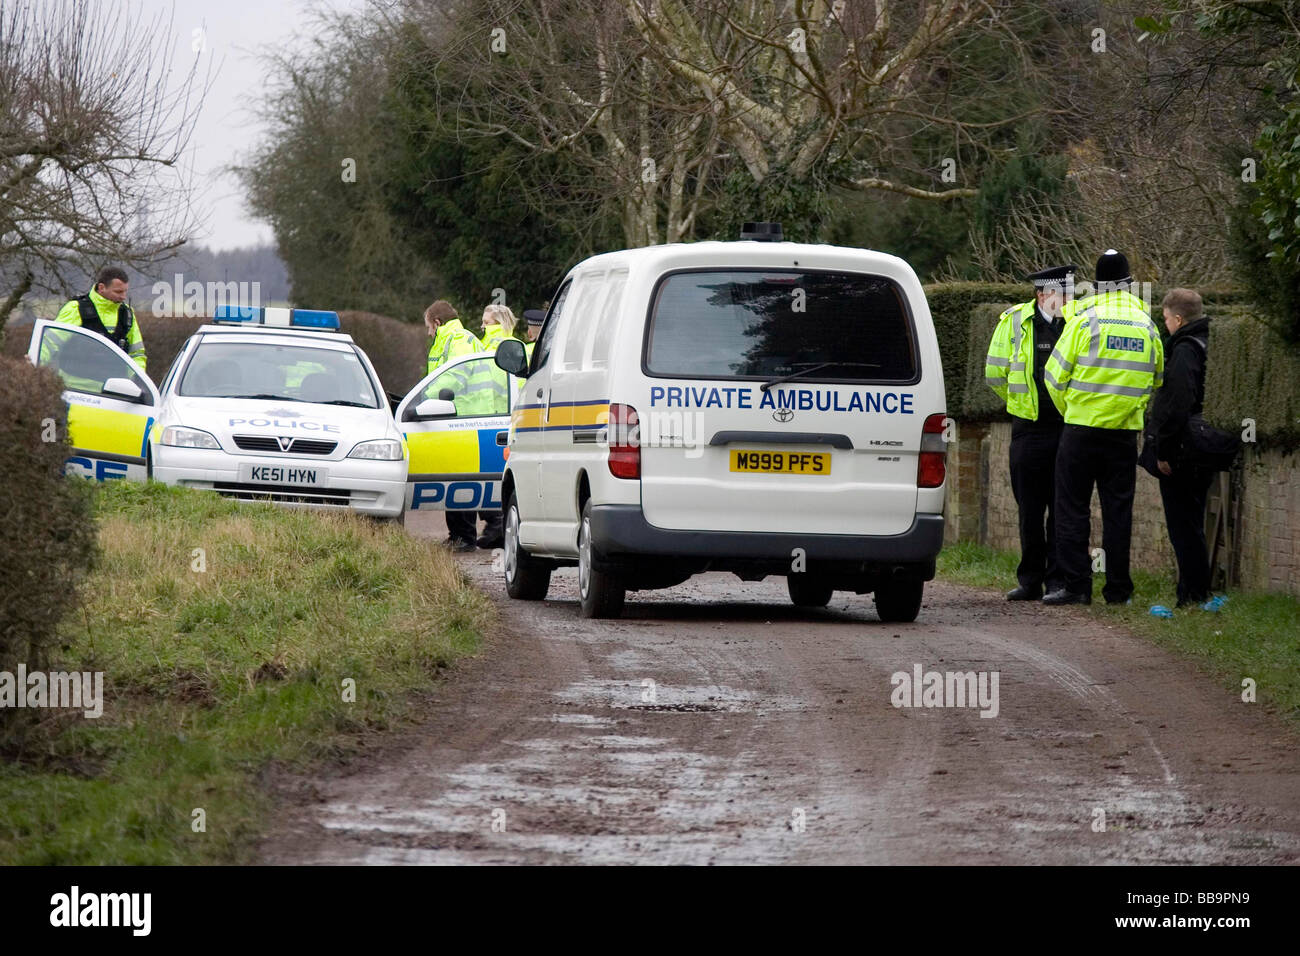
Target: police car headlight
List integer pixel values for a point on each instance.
(383, 449)
(182, 437)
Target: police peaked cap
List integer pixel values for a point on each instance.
(1053, 275)
(534, 316)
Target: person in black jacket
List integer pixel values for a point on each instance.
(1183, 483)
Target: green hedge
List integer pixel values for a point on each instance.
(951, 306)
(1252, 374)
(47, 535)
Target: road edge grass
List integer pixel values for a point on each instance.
(233, 638)
(1255, 637)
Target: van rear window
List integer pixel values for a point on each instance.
(763, 323)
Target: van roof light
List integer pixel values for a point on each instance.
(762, 232)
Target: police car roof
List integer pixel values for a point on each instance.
(748, 253)
(263, 333)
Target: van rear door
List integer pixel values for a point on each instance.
(783, 400)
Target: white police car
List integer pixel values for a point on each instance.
(263, 404)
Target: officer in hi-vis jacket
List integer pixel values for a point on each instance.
(1018, 353)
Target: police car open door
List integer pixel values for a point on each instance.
(456, 423)
(111, 403)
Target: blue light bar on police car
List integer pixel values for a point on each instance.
(275, 317)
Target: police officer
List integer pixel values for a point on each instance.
(104, 310)
(490, 384)
(452, 340)
(534, 318)
(1100, 376)
(1018, 353)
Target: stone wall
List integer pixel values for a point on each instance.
(1265, 504)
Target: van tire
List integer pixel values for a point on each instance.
(600, 593)
(899, 601)
(527, 578)
(807, 591)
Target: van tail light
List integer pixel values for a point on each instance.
(931, 466)
(624, 442)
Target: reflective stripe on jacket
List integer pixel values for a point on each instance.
(1107, 362)
(1009, 366)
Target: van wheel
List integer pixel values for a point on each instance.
(602, 594)
(527, 578)
(807, 591)
(899, 600)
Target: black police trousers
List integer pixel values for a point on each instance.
(1106, 458)
(1033, 483)
(1183, 494)
(462, 525)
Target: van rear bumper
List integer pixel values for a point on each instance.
(619, 531)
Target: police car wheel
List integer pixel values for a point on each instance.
(600, 593)
(527, 579)
(807, 591)
(899, 601)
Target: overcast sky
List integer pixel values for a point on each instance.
(235, 31)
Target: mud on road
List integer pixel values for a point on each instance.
(770, 737)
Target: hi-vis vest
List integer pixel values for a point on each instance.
(1009, 367)
(1106, 363)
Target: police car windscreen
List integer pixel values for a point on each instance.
(292, 373)
(742, 323)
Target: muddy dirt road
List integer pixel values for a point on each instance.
(770, 737)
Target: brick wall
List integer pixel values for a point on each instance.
(1266, 553)
(1269, 510)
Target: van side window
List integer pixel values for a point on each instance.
(582, 311)
(544, 341)
(607, 319)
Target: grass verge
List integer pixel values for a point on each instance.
(1256, 635)
(226, 633)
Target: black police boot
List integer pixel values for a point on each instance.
(1062, 596)
(1025, 593)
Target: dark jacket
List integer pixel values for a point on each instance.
(1183, 392)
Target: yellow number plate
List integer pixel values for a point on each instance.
(781, 462)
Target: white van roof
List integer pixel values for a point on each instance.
(688, 255)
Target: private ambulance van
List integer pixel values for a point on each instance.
(759, 407)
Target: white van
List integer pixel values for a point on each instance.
(759, 407)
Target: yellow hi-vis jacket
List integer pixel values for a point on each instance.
(1009, 367)
(1107, 362)
(107, 310)
(493, 336)
(452, 340)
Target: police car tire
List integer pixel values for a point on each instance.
(532, 578)
(899, 601)
(807, 591)
(603, 595)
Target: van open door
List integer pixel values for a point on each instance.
(456, 422)
(112, 405)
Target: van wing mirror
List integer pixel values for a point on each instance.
(512, 358)
(123, 388)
